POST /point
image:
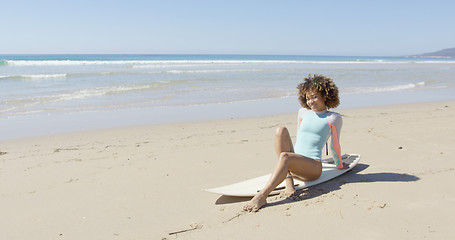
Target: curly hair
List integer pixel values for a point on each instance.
(321, 84)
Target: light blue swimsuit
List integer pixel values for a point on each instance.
(314, 129)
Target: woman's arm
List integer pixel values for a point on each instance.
(335, 124)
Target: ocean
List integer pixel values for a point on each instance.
(47, 94)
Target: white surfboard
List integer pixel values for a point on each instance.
(251, 187)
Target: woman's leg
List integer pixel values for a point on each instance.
(283, 143)
(304, 167)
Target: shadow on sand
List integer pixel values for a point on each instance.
(353, 176)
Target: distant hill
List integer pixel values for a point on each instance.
(445, 53)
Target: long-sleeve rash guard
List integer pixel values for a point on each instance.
(314, 129)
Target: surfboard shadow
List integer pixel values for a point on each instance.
(353, 176)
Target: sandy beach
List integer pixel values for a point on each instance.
(146, 182)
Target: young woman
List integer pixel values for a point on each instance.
(315, 125)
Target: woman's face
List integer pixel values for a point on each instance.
(315, 101)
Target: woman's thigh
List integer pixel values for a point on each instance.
(304, 167)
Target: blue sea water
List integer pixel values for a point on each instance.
(44, 94)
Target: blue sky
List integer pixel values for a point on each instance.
(357, 28)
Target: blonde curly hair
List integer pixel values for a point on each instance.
(321, 84)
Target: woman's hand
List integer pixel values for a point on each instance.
(345, 166)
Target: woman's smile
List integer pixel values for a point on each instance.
(315, 101)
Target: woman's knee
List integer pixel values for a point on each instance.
(281, 131)
(284, 158)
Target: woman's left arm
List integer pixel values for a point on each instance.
(335, 124)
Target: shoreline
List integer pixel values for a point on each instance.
(138, 182)
(214, 121)
(44, 125)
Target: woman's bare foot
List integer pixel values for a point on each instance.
(290, 194)
(256, 203)
(289, 190)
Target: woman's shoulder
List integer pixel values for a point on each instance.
(334, 118)
(333, 114)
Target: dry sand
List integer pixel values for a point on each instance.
(145, 182)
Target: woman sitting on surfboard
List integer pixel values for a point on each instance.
(315, 125)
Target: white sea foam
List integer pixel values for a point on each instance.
(27, 102)
(142, 63)
(392, 88)
(97, 92)
(43, 76)
(68, 62)
(168, 64)
(164, 63)
(212, 71)
(157, 63)
(35, 76)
